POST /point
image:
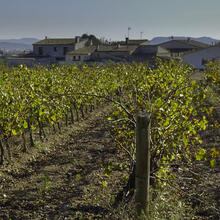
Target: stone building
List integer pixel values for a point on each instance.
(80, 55)
(57, 48)
(148, 53)
(116, 53)
(178, 47)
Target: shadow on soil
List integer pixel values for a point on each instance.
(51, 184)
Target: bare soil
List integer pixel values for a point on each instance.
(66, 179)
(76, 174)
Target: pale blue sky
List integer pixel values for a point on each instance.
(109, 18)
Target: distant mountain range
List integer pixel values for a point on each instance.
(206, 40)
(20, 41)
(17, 44)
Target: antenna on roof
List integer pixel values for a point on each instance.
(141, 33)
(129, 28)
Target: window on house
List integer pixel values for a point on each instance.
(65, 49)
(79, 57)
(74, 57)
(40, 51)
(55, 49)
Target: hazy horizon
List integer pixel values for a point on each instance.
(20, 38)
(109, 19)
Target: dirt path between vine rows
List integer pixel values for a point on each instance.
(66, 179)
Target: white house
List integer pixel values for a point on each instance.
(57, 47)
(200, 57)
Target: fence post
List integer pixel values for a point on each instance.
(142, 178)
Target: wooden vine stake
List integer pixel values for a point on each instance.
(142, 178)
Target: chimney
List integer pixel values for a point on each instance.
(126, 40)
(97, 47)
(45, 37)
(90, 43)
(77, 39)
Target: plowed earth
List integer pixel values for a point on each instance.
(65, 179)
(66, 176)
